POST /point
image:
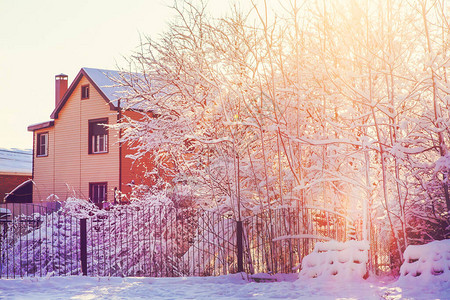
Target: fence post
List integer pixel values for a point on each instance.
(83, 246)
(240, 246)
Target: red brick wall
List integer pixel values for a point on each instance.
(134, 170)
(9, 182)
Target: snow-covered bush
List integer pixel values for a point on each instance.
(80, 208)
(340, 260)
(40, 244)
(429, 262)
(156, 237)
(152, 236)
(145, 237)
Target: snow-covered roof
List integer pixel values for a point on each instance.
(106, 81)
(41, 125)
(16, 161)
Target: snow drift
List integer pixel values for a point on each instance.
(343, 261)
(427, 263)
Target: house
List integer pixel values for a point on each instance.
(15, 169)
(75, 154)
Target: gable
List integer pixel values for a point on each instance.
(100, 82)
(76, 106)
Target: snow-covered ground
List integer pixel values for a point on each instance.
(223, 287)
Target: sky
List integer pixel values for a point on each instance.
(40, 39)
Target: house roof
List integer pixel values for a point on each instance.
(21, 193)
(104, 81)
(42, 125)
(15, 161)
(108, 83)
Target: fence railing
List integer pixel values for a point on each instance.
(159, 241)
(276, 240)
(128, 240)
(37, 241)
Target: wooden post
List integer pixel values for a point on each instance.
(240, 246)
(83, 246)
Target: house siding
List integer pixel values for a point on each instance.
(73, 167)
(102, 167)
(43, 168)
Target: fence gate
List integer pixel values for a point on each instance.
(275, 241)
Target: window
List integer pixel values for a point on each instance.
(98, 192)
(42, 144)
(85, 91)
(98, 136)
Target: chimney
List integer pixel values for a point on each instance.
(60, 87)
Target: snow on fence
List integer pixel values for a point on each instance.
(153, 237)
(334, 259)
(429, 262)
(38, 241)
(140, 239)
(159, 241)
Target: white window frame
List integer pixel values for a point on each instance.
(42, 146)
(99, 143)
(85, 92)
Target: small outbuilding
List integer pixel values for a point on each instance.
(23, 193)
(15, 175)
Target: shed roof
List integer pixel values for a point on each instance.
(16, 161)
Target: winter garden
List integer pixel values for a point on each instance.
(322, 128)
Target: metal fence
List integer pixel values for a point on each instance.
(160, 241)
(127, 240)
(37, 241)
(381, 243)
(277, 240)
